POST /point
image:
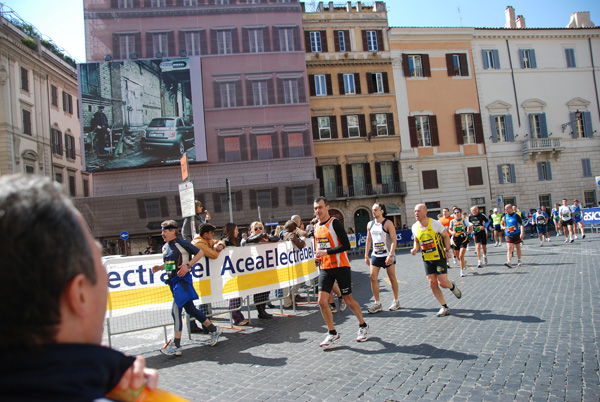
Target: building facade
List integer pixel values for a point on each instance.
(39, 121)
(353, 110)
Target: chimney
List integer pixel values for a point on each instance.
(510, 17)
(580, 19)
(520, 21)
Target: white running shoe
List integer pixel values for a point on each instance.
(519, 263)
(507, 264)
(171, 350)
(444, 311)
(478, 264)
(329, 340)
(567, 240)
(462, 274)
(485, 259)
(363, 334)
(395, 306)
(576, 237)
(214, 336)
(541, 244)
(375, 308)
(456, 291)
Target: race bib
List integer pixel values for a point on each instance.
(476, 229)
(511, 229)
(428, 246)
(323, 243)
(380, 248)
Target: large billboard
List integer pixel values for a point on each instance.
(141, 113)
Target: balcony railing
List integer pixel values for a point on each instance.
(542, 145)
(343, 192)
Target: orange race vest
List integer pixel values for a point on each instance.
(325, 239)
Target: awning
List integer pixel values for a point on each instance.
(392, 210)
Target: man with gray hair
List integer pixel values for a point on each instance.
(54, 297)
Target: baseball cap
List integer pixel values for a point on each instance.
(495, 209)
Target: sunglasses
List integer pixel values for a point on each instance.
(258, 228)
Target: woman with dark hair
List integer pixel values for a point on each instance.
(230, 237)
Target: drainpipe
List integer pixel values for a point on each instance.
(512, 74)
(594, 75)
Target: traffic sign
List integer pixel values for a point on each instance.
(124, 235)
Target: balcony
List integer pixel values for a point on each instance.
(535, 147)
(346, 192)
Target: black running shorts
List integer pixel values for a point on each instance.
(437, 267)
(327, 278)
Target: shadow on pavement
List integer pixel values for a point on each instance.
(488, 315)
(423, 350)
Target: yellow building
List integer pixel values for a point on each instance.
(353, 110)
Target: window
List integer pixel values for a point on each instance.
(341, 41)
(24, 79)
(358, 179)
(502, 128)
(158, 3)
(190, 3)
(545, 200)
(160, 44)
(125, 4)
(586, 165)
(581, 125)
(296, 145)
(329, 181)
(126, 46)
(372, 45)
(86, 188)
(259, 93)
(263, 198)
(491, 59)
(506, 174)
(54, 92)
(221, 2)
(315, 42)
(70, 146)
(255, 39)
(320, 85)
(192, 43)
(58, 177)
(387, 176)
(72, 189)
(433, 209)
(67, 103)
(152, 207)
(56, 138)
(527, 58)
(264, 146)
(299, 195)
(430, 180)
(26, 114)
(570, 57)
(423, 132)
(381, 124)
(224, 204)
(232, 149)
(353, 126)
(468, 128)
(544, 171)
(377, 83)
(286, 40)
(29, 167)
(324, 128)
(228, 94)
(349, 87)
(457, 65)
(224, 42)
(537, 125)
(90, 83)
(589, 198)
(415, 66)
(290, 91)
(475, 176)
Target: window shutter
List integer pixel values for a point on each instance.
(276, 44)
(310, 190)
(252, 195)
(181, 40)
(540, 171)
(412, 130)
(530, 122)
(521, 58)
(341, 84)
(349, 180)
(543, 125)
(214, 47)
(347, 41)
(333, 126)
(149, 46)
(532, 57)
(244, 146)
(141, 208)
(378, 172)
(500, 175)
(275, 145)
(338, 180)
(301, 90)
(493, 126)
(235, 41)
(450, 64)
(510, 134)
(513, 174)
(328, 84)
(549, 170)
(315, 127)
(221, 148)
(307, 41)
(253, 148)
(386, 84)
(336, 40)
(307, 143)
(426, 67)
(587, 123)
(364, 41)
(285, 145)
(435, 137)
(484, 57)
(249, 93)
(217, 202)
(280, 97)
(297, 42)
(271, 91)
(116, 46)
(405, 65)
(496, 56)
(368, 179)
(171, 43)
(245, 40)
(266, 39)
(390, 124)
(587, 167)
(362, 125)
(372, 124)
(357, 83)
(319, 170)
(344, 126)
(164, 207)
(458, 125)
(370, 83)
(239, 201)
(239, 94)
(289, 197)
(573, 125)
(478, 128)
(275, 197)
(380, 45)
(464, 65)
(324, 41)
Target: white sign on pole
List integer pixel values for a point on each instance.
(186, 198)
(598, 183)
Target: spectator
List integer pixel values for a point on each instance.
(301, 230)
(230, 237)
(191, 224)
(290, 234)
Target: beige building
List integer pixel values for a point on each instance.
(353, 110)
(39, 122)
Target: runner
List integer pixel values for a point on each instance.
(460, 229)
(497, 221)
(566, 220)
(541, 223)
(332, 245)
(556, 218)
(478, 220)
(433, 240)
(445, 221)
(512, 223)
(381, 233)
(577, 218)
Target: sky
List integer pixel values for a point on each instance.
(62, 20)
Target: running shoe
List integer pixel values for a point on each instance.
(376, 308)
(171, 350)
(444, 311)
(462, 273)
(478, 264)
(456, 291)
(334, 309)
(363, 334)
(485, 259)
(576, 237)
(541, 244)
(341, 304)
(519, 263)
(329, 340)
(583, 237)
(571, 241)
(395, 305)
(507, 264)
(567, 240)
(214, 336)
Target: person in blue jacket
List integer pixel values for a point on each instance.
(178, 260)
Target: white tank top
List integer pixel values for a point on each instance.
(382, 241)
